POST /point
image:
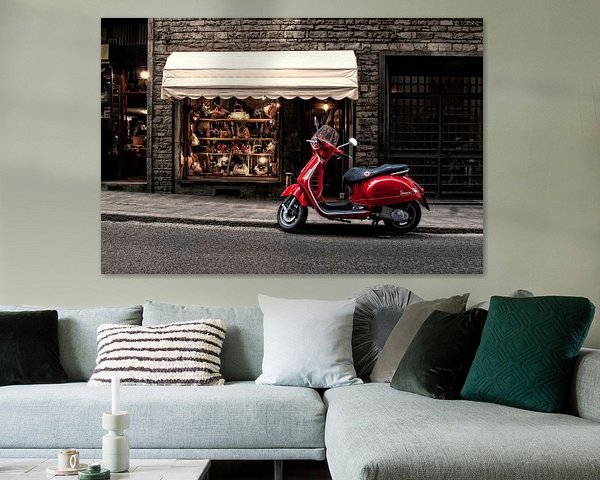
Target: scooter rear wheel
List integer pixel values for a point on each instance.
(413, 209)
(291, 215)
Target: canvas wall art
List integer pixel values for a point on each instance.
(292, 146)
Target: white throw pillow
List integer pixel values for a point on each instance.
(186, 353)
(307, 343)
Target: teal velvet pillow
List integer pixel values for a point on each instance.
(439, 357)
(527, 351)
(29, 348)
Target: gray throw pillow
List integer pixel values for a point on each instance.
(405, 330)
(516, 294)
(377, 311)
(242, 351)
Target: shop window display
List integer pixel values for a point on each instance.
(232, 138)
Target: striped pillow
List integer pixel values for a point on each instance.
(184, 353)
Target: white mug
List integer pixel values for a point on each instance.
(68, 459)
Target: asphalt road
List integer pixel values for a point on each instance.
(160, 248)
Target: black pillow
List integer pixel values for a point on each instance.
(29, 348)
(438, 359)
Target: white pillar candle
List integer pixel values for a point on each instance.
(115, 384)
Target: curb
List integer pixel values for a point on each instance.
(242, 222)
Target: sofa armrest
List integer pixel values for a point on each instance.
(585, 386)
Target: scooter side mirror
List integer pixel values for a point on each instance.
(351, 141)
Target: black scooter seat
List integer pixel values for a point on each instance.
(358, 174)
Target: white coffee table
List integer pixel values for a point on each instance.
(159, 469)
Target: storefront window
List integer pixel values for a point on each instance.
(233, 138)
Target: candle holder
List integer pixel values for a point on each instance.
(115, 445)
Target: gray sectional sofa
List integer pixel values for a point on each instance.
(366, 432)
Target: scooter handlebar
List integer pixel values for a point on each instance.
(330, 148)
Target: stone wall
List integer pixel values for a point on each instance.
(369, 38)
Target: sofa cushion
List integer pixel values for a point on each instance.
(414, 437)
(585, 385)
(405, 330)
(241, 416)
(185, 353)
(241, 356)
(438, 359)
(77, 334)
(377, 311)
(528, 350)
(308, 343)
(29, 348)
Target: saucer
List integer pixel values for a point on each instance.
(65, 471)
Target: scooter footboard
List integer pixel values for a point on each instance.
(296, 191)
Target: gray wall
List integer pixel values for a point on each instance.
(542, 131)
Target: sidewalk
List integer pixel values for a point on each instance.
(465, 217)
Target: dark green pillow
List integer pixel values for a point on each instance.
(439, 357)
(527, 352)
(29, 348)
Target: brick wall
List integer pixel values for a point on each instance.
(369, 38)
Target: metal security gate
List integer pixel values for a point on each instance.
(435, 122)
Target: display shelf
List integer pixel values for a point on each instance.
(250, 144)
(237, 139)
(241, 154)
(247, 120)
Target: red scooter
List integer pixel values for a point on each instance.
(379, 193)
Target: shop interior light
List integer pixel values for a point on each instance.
(144, 74)
(326, 107)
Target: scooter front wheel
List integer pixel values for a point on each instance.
(409, 218)
(291, 215)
